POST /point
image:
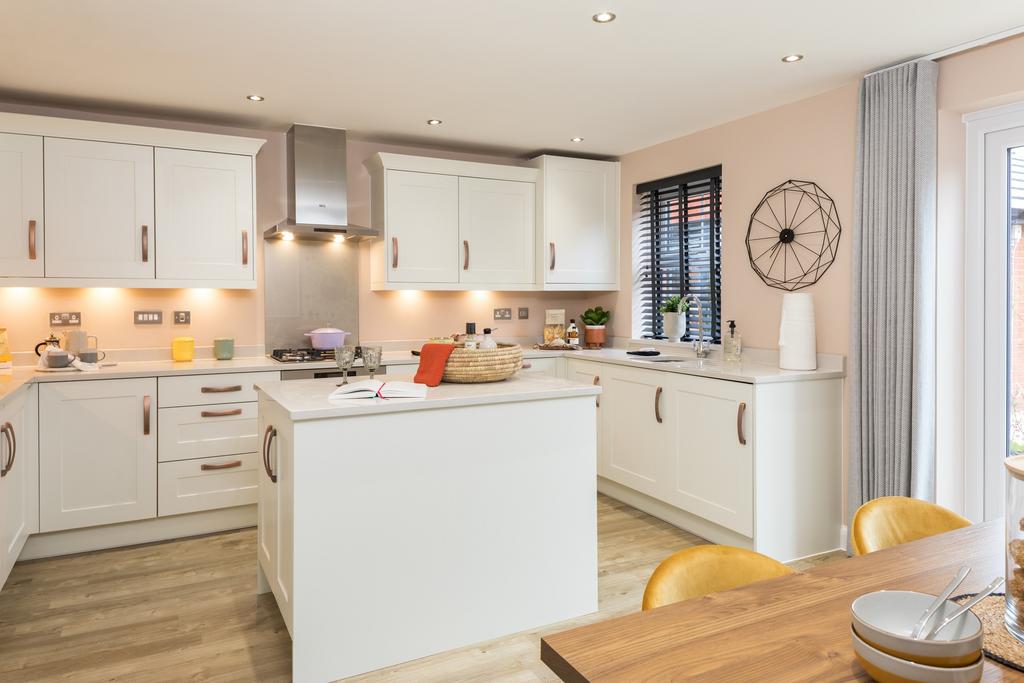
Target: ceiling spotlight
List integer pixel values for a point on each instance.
(434, 122)
(576, 139)
(255, 98)
(603, 17)
(789, 59)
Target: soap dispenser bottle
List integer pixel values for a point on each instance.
(732, 344)
(488, 342)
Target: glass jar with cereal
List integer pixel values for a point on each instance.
(1015, 546)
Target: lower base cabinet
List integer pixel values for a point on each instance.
(751, 465)
(19, 502)
(208, 484)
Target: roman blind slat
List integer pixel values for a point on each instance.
(680, 248)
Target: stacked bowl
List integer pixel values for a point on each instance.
(882, 623)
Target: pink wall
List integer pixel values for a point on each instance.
(813, 139)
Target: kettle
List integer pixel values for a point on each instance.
(50, 341)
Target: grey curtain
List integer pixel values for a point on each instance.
(892, 346)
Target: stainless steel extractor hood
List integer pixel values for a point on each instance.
(317, 188)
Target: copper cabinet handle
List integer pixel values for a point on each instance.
(221, 390)
(221, 466)
(465, 254)
(12, 446)
(597, 383)
(245, 247)
(268, 437)
(740, 410)
(394, 252)
(657, 405)
(145, 243)
(32, 240)
(220, 413)
(526, 366)
(552, 266)
(145, 415)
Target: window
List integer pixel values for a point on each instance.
(680, 249)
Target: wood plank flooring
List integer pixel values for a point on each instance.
(187, 611)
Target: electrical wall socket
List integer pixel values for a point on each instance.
(65, 319)
(502, 313)
(149, 317)
(183, 317)
(524, 313)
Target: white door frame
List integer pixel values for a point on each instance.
(985, 307)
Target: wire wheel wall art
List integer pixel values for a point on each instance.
(793, 235)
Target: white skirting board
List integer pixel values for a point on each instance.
(134, 533)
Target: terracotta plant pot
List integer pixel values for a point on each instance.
(593, 336)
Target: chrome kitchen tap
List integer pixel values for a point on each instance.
(701, 345)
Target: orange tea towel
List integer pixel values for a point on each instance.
(433, 358)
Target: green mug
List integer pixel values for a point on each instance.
(223, 348)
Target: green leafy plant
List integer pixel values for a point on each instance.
(674, 304)
(593, 317)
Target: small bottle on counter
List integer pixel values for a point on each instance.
(469, 339)
(572, 333)
(732, 345)
(488, 342)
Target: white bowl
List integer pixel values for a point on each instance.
(885, 619)
(888, 669)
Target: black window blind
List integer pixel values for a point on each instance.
(680, 248)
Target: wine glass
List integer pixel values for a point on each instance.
(344, 356)
(371, 358)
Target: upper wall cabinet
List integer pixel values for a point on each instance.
(99, 210)
(496, 230)
(21, 205)
(125, 206)
(422, 227)
(205, 206)
(579, 209)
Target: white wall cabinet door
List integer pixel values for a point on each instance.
(97, 452)
(497, 221)
(19, 503)
(204, 213)
(712, 469)
(21, 205)
(635, 405)
(99, 210)
(422, 227)
(580, 213)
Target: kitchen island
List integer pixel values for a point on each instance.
(391, 529)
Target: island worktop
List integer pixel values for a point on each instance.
(309, 399)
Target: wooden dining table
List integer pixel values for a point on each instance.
(793, 628)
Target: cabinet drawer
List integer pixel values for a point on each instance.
(548, 366)
(186, 486)
(207, 431)
(201, 390)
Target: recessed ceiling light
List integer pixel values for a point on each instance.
(789, 59)
(603, 17)
(434, 122)
(576, 139)
(255, 98)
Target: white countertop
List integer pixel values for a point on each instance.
(308, 399)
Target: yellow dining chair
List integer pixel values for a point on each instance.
(885, 522)
(707, 569)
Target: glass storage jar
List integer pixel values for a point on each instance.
(1015, 546)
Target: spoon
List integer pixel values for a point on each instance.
(942, 597)
(966, 606)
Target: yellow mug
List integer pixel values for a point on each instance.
(183, 349)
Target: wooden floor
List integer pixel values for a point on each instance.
(186, 611)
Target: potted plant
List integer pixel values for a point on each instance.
(594, 320)
(673, 313)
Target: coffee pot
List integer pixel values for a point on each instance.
(49, 341)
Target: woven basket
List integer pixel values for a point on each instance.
(470, 366)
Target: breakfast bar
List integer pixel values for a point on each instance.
(391, 529)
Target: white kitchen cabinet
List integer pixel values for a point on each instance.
(496, 229)
(208, 483)
(711, 457)
(635, 434)
(19, 502)
(204, 208)
(99, 210)
(202, 390)
(422, 227)
(275, 531)
(207, 431)
(578, 204)
(22, 231)
(97, 452)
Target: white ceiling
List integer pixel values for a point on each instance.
(512, 75)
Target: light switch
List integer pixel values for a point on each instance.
(502, 313)
(183, 317)
(65, 319)
(149, 317)
(524, 313)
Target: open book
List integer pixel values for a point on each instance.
(368, 388)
